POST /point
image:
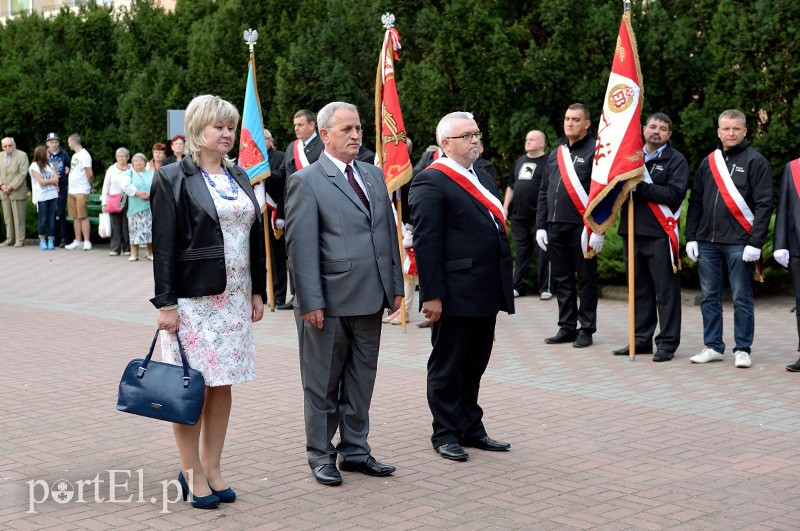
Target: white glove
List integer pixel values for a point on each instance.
(279, 223)
(541, 239)
(596, 242)
(781, 256)
(751, 254)
(692, 251)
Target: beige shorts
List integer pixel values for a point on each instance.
(76, 206)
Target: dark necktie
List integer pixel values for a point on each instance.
(351, 178)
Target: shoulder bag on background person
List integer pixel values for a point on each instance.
(116, 203)
(162, 391)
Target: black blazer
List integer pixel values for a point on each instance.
(188, 249)
(462, 256)
(787, 217)
(275, 185)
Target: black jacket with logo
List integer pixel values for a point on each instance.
(555, 203)
(670, 174)
(709, 218)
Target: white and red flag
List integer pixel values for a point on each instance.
(618, 155)
(390, 131)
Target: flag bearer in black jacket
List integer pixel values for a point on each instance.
(657, 212)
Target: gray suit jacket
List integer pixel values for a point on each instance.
(343, 257)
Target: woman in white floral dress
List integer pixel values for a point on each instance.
(209, 270)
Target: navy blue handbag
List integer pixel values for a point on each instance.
(161, 390)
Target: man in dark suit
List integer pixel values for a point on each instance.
(464, 264)
(787, 235)
(300, 153)
(345, 262)
(275, 187)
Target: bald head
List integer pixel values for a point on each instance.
(534, 143)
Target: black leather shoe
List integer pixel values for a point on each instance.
(486, 443)
(369, 467)
(626, 350)
(584, 339)
(794, 367)
(563, 336)
(289, 305)
(452, 451)
(327, 474)
(663, 355)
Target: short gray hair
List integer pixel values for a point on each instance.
(445, 126)
(122, 151)
(140, 156)
(75, 137)
(325, 115)
(732, 114)
(202, 111)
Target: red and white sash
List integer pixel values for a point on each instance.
(733, 199)
(670, 221)
(730, 194)
(436, 155)
(576, 192)
(794, 169)
(471, 185)
(300, 159)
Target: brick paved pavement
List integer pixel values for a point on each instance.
(598, 442)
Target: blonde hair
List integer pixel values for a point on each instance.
(202, 111)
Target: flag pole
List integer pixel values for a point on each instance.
(250, 37)
(631, 265)
(388, 22)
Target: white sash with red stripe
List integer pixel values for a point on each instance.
(730, 194)
(300, 159)
(471, 185)
(670, 221)
(733, 199)
(576, 192)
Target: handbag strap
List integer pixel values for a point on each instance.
(143, 367)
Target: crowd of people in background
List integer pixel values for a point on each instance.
(539, 203)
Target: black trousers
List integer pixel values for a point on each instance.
(573, 277)
(523, 232)
(794, 271)
(278, 248)
(120, 242)
(657, 293)
(461, 350)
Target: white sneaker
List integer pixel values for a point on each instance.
(113, 253)
(743, 360)
(74, 245)
(87, 245)
(546, 296)
(706, 356)
(516, 294)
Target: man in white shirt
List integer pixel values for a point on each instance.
(78, 190)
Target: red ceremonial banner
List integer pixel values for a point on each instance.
(619, 155)
(392, 142)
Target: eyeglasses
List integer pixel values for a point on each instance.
(466, 136)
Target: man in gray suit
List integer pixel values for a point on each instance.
(342, 245)
(14, 192)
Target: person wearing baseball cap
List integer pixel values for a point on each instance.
(60, 161)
